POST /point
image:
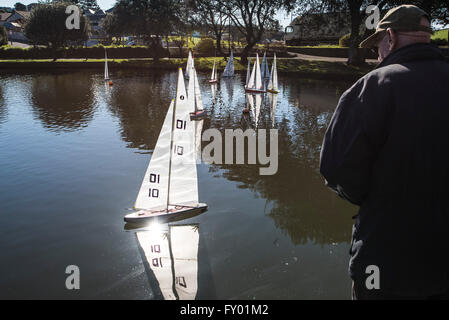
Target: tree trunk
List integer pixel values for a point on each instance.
(218, 35)
(356, 56)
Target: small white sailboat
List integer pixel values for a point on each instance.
(265, 73)
(106, 71)
(190, 65)
(171, 254)
(213, 76)
(229, 69)
(273, 83)
(255, 84)
(170, 185)
(197, 102)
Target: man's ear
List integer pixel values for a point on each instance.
(392, 39)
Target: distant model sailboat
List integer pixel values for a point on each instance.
(170, 184)
(172, 256)
(106, 71)
(190, 65)
(213, 76)
(254, 83)
(265, 73)
(194, 96)
(273, 83)
(229, 69)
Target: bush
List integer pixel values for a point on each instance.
(206, 47)
(344, 40)
(3, 36)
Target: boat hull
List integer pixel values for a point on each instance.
(174, 212)
(254, 90)
(272, 91)
(198, 115)
(212, 81)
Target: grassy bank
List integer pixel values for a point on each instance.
(315, 69)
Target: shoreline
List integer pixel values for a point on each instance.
(286, 66)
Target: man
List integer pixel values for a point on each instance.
(387, 151)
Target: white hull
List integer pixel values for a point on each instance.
(173, 211)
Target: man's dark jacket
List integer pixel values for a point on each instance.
(387, 150)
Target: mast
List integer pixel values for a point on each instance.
(171, 140)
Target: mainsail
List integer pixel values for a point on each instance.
(190, 65)
(213, 76)
(255, 80)
(106, 71)
(153, 192)
(229, 69)
(265, 73)
(248, 73)
(273, 83)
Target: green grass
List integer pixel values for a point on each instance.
(441, 34)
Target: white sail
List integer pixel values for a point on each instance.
(153, 193)
(247, 73)
(258, 85)
(213, 76)
(198, 99)
(273, 83)
(229, 69)
(190, 65)
(106, 71)
(264, 63)
(184, 245)
(183, 184)
(252, 78)
(155, 245)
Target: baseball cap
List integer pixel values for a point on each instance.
(404, 18)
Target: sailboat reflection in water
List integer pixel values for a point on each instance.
(170, 253)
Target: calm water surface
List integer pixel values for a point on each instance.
(72, 156)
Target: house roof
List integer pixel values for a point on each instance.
(5, 15)
(24, 14)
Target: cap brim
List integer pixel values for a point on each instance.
(372, 40)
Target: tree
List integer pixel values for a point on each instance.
(208, 15)
(252, 17)
(20, 7)
(47, 26)
(3, 36)
(149, 19)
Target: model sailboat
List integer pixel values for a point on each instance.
(229, 69)
(172, 256)
(273, 83)
(106, 70)
(190, 65)
(170, 184)
(254, 83)
(213, 76)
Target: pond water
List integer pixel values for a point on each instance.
(73, 152)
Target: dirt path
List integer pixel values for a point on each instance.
(301, 56)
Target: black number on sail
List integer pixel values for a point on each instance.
(181, 281)
(153, 193)
(181, 124)
(157, 262)
(156, 248)
(155, 178)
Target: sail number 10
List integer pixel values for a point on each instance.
(153, 192)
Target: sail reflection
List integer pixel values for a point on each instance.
(170, 255)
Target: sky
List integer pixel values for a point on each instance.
(284, 19)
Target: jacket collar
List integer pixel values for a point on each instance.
(413, 52)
